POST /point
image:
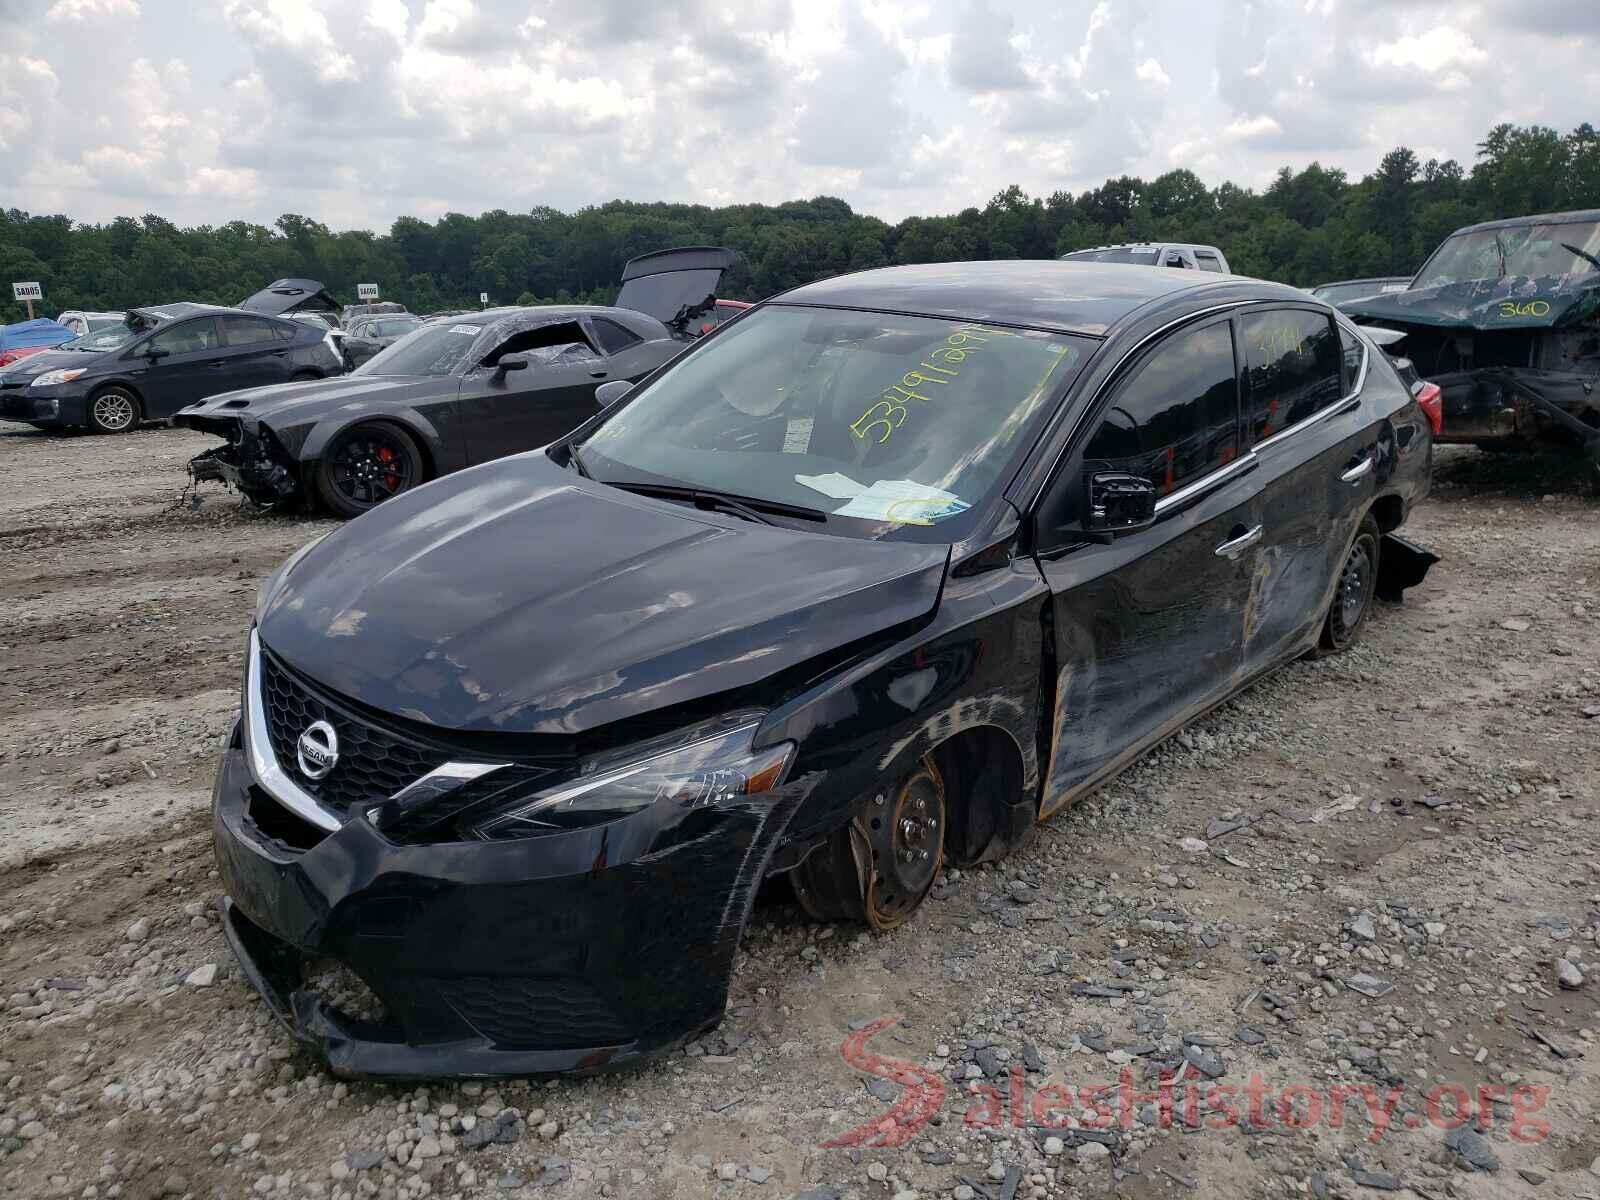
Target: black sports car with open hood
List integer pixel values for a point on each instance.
(882, 573)
(453, 393)
(1505, 318)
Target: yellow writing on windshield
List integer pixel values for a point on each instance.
(1529, 308)
(889, 411)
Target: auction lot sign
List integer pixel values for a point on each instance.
(366, 291)
(27, 291)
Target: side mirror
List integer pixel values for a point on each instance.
(153, 353)
(1119, 503)
(510, 362)
(608, 394)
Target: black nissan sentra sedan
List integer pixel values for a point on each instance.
(868, 582)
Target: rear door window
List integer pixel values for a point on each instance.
(248, 331)
(1177, 417)
(1208, 261)
(1293, 367)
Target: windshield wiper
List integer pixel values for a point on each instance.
(1593, 261)
(577, 463)
(750, 507)
(1501, 248)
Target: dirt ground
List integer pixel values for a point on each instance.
(1415, 819)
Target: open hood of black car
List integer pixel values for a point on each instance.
(674, 285)
(520, 597)
(291, 295)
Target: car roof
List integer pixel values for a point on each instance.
(188, 308)
(1069, 297)
(1560, 218)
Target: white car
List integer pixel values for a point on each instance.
(89, 322)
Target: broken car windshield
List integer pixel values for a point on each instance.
(896, 420)
(430, 350)
(1526, 251)
(102, 340)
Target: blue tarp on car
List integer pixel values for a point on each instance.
(40, 332)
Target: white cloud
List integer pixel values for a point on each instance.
(1437, 48)
(1150, 71)
(356, 111)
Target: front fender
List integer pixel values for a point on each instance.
(446, 454)
(976, 666)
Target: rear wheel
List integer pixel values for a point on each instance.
(1352, 599)
(880, 867)
(113, 410)
(366, 465)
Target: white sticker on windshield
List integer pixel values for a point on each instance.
(904, 501)
(797, 435)
(467, 329)
(840, 487)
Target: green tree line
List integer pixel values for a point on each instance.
(1307, 227)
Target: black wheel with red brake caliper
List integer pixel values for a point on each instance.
(366, 465)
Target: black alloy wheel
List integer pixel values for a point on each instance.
(1352, 598)
(365, 466)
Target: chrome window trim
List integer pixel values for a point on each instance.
(263, 763)
(1205, 483)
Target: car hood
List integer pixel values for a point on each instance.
(519, 597)
(1515, 302)
(282, 405)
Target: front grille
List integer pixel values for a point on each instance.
(373, 764)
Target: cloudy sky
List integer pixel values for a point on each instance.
(356, 111)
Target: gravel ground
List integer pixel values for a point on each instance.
(1377, 871)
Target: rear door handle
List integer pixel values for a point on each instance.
(1360, 471)
(219, 362)
(600, 374)
(1234, 547)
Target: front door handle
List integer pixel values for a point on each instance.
(219, 362)
(1234, 547)
(598, 374)
(1360, 470)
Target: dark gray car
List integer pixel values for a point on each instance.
(453, 393)
(365, 337)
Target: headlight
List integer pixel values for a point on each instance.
(51, 378)
(695, 768)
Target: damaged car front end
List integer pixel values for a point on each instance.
(252, 462)
(1505, 319)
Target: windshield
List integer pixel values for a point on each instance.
(391, 326)
(1517, 250)
(895, 420)
(113, 338)
(429, 350)
(1117, 254)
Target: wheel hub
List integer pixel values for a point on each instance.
(906, 839)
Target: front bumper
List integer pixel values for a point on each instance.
(44, 407)
(571, 952)
(251, 463)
